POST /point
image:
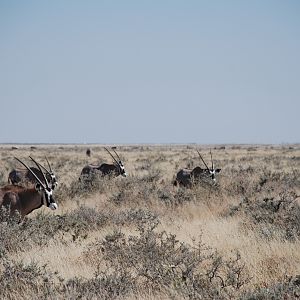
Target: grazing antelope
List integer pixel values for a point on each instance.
(188, 177)
(25, 199)
(88, 152)
(112, 170)
(23, 175)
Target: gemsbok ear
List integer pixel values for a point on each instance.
(38, 187)
(218, 170)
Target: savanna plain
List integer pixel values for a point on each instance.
(140, 237)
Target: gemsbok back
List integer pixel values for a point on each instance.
(188, 177)
(110, 170)
(26, 199)
(17, 176)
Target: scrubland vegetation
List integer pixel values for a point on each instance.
(142, 238)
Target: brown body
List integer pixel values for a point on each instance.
(21, 199)
(26, 199)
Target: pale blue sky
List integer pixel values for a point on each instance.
(150, 71)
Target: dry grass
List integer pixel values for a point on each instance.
(238, 215)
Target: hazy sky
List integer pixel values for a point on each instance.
(150, 71)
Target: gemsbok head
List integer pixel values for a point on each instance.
(188, 177)
(26, 199)
(17, 176)
(111, 170)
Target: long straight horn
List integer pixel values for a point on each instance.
(212, 162)
(111, 156)
(39, 181)
(49, 172)
(38, 165)
(203, 160)
(44, 169)
(117, 154)
(50, 169)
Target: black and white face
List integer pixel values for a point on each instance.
(122, 169)
(213, 173)
(48, 199)
(54, 182)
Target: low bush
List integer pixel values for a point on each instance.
(21, 235)
(288, 288)
(158, 261)
(20, 281)
(274, 216)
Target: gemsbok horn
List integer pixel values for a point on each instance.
(50, 176)
(17, 176)
(25, 199)
(188, 177)
(111, 170)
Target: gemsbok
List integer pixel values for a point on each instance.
(188, 177)
(88, 152)
(111, 170)
(26, 199)
(17, 176)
